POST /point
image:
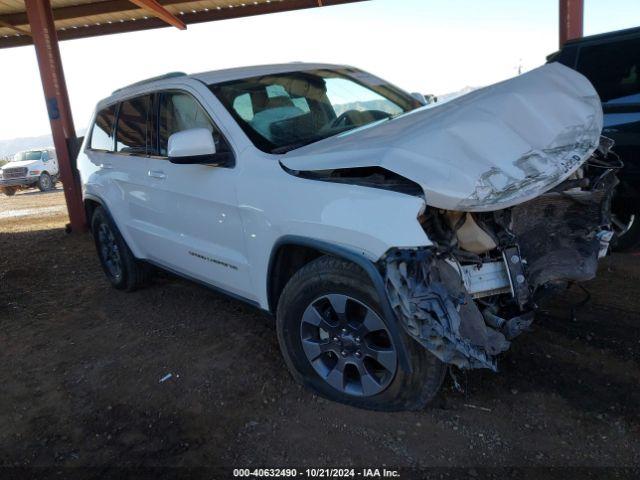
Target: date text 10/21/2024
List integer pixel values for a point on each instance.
(316, 473)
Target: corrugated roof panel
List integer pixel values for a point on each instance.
(85, 18)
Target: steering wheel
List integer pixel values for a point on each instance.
(345, 119)
(358, 117)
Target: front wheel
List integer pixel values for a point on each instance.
(44, 182)
(336, 341)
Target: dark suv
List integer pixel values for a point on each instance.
(611, 61)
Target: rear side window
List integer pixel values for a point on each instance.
(614, 70)
(102, 131)
(180, 111)
(242, 105)
(133, 129)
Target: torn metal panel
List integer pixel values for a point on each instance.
(491, 149)
(435, 308)
(496, 185)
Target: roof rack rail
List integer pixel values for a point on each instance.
(152, 79)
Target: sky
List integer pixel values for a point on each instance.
(430, 46)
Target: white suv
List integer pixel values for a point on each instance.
(30, 168)
(388, 239)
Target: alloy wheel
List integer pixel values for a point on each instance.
(110, 252)
(622, 223)
(348, 345)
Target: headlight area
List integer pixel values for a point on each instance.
(466, 297)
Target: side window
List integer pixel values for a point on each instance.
(102, 131)
(243, 106)
(277, 114)
(131, 130)
(276, 96)
(276, 90)
(45, 156)
(180, 111)
(614, 70)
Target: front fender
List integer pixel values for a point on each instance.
(365, 220)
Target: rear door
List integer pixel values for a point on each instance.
(119, 147)
(197, 229)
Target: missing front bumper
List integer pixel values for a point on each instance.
(432, 299)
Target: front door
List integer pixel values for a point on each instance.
(197, 225)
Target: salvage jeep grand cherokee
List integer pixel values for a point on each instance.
(389, 239)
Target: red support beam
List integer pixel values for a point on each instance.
(14, 28)
(45, 41)
(160, 12)
(571, 20)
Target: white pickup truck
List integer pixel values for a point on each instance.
(30, 168)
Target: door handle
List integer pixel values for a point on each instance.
(157, 174)
(106, 165)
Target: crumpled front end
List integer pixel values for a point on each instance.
(467, 297)
(488, 150)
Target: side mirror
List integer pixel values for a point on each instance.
(193, 146)
(420, 98)
(431, 98)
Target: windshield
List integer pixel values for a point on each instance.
(32, 155)
(280, 112)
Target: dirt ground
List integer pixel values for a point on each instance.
(82, 363)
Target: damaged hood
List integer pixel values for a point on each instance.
(491, 149)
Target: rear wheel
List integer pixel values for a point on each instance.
(336, 341)
(122, 269)
(9, 191)
(44, 182)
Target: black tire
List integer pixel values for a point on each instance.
(330, 275)
(122, 269)
(9, 191)
(630, 239)
(44, 182)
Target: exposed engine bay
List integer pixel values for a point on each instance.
(468, 296)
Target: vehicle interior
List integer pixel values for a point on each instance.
(282, 111)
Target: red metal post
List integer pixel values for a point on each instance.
(571, 20)
(45, 41)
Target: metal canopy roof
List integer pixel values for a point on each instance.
(86, 18)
